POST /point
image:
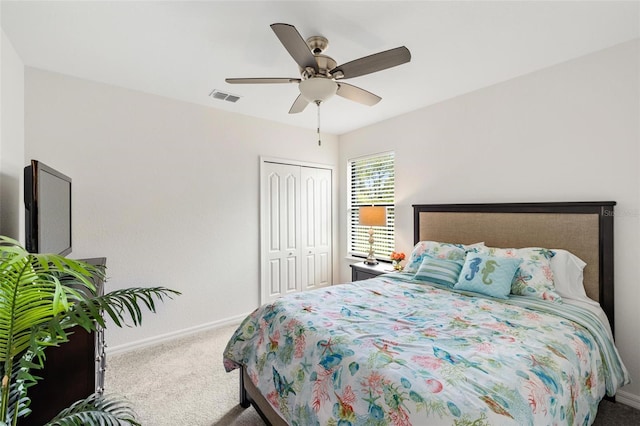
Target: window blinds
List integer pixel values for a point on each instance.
(371, 183)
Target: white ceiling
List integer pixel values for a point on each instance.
(184, 50)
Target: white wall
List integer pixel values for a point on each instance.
(167, 191)
(567, 133)
(11, 141)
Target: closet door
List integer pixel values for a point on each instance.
(315, 215)
(281, 230)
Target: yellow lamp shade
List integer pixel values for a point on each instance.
(373, 216)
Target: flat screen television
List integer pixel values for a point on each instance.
(47, 202)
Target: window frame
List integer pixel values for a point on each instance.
(357, 235)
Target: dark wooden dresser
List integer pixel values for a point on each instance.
(73, 370)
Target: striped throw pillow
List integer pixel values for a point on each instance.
(439, 271)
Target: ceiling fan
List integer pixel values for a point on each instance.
(321, 76)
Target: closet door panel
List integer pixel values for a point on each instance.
(274, 276)
(308, 217)
(324, 274)
(323, 228)
(281, 248)
(309, 270)
(316, 218)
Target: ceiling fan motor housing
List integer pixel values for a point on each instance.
(325, 64)
(317, 44)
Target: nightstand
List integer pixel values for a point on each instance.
(362, 271)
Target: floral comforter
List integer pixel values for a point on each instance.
(391, 351)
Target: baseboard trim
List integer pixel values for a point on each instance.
(139, 344)
(629, 399)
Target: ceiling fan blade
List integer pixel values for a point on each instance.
(298, 105)
(357, 94)
(295, 45)
(373, 63)
(261, 80)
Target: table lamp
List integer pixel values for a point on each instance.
(372, 216)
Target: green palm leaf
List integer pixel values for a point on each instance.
(119, 305)
(41, 297)
(96, 410)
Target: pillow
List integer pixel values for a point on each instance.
(440, 271)
(568, 275)
(486, 274)
(437, 250)
(534, 277)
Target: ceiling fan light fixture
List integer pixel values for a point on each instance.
(317, 89)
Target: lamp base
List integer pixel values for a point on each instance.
(370, 260)
(371, 257)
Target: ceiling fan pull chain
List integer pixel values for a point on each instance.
(319, 142)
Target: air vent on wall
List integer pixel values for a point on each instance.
(216, 94)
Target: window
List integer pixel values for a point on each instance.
(371, 183)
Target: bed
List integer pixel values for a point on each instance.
(405, 348)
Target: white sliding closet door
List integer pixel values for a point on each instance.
(316, 227)
(281, 222)
(295, 229)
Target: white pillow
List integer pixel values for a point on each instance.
(568, 275)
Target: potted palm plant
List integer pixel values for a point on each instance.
(42, 296)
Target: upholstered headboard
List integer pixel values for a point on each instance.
(583, 228)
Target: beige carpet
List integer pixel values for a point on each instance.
(181, 382)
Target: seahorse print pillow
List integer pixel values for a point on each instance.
(534, 277)
(488, 275)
